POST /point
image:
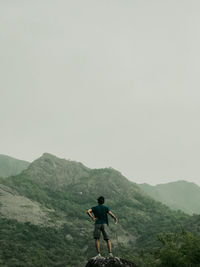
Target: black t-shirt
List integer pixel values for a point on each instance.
(100, 212)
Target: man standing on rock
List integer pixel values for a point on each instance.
(100, 218)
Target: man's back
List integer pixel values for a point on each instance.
(100, 212)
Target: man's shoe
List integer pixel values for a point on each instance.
(97, 256)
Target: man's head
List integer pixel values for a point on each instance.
(100, 200)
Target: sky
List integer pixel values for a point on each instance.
(110, 83)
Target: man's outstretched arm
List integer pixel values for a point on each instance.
(89, 212)
(113, 216)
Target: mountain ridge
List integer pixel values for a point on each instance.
(177, 195)
(11, 166)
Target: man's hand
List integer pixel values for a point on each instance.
(113, 216)
(94, 219)
(89, 212)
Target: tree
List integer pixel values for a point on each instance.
(179, 249)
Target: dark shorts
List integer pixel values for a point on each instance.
(98, 228)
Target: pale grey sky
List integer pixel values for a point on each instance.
(107, 82)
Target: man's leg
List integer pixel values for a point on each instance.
(106, 237)
(97, 244)
(109, 246)
(97, 234)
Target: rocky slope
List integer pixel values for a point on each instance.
(21, 208)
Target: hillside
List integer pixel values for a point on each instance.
(10, 166)
(48, 201)
(180, 195)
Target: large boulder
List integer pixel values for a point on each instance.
(109, 262)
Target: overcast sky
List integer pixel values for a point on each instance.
(107, 83)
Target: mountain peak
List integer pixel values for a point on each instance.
(48, 155)
(53, 171)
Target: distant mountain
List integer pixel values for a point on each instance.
(10, 166)
(180, 195)
(43, 214)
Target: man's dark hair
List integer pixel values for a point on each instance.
(100, 200)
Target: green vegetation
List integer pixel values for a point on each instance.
(65, 190)
(179, 249)
(29, 245)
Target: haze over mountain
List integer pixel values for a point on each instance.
(54, 194)
(10, 166)
(110, 83)
(180, 195)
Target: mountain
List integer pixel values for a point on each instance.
(10, 166)
(180, 195)
(43, 214)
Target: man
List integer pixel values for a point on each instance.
(100, 218)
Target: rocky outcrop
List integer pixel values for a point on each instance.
(109, 262)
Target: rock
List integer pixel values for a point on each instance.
(69, 237)
(109, 262)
